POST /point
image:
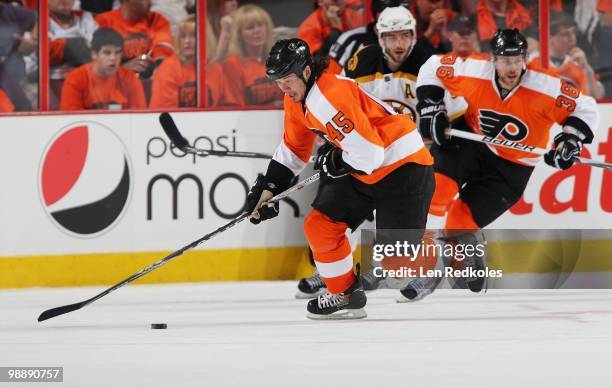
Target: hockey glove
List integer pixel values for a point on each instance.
(566, 147)
(256, 202)
(433, 121)
(330, 164)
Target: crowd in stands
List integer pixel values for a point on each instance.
(126, 54)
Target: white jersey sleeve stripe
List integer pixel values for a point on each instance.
(287, 158)
(541, 83)
(403, 147)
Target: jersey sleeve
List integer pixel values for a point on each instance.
(575, 111)
(363, 62)
(429, 74)
(5, 103)
(234, 85)
(165, 92)
(298, 141)
(310, 32)
(163, 45)
(72, 91)
(136, 97)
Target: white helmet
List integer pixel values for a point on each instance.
(395, 19)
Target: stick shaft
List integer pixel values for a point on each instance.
(519, 146)
(54, 312)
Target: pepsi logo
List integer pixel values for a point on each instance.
(85, 179)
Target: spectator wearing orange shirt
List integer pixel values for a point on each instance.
(463, 36)
(322, 28)
(103, 83)
(432, 24)
(246, 83)
(569, 61)
(70, 34)
(174, 84)
(6, 105)
(500, 14)
(147, 35)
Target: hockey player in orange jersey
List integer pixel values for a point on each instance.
(378, 162)
(507, 100)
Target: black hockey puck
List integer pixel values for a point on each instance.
(159, 326)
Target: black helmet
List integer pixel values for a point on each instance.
(509, 42)
(288, 56)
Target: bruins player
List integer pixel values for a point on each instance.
(388, 70)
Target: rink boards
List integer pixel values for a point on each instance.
(90, 199)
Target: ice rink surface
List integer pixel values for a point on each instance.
(256, 335)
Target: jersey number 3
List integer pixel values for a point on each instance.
(339, 123)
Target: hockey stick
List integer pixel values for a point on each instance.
(54, 312)
(519, 146)
(169, 126)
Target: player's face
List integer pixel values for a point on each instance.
(107, 60)
(187, 41)
(293, 86)
(397, 44)
(509, 69)
(254, 34)
(62, 7)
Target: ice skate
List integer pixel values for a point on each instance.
(418, 289)
(372, 282)
(346, 305)
(310, 287)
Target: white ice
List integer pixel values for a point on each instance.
(256, 335)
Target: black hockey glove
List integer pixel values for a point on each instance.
(566, 147)
(433, 122)
(256, 202)
(330, 164)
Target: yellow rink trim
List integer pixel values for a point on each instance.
(272, 264)
(550, 256)
(193, 266)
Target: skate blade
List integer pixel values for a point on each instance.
(303, 295)
(403, 299)
(339, 315)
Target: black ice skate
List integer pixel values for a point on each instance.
(310, 287)
(475, 261)
(418, 289)
(346, 305)
(372, 282)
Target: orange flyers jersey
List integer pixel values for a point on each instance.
(374, 139)
(174, 85)
(248, 83)
(5, 103)
(150, 33)
(83, 89)
(525, 116)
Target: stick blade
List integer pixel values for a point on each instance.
(54, 312)
(172, 131)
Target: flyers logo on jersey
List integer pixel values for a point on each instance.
(496, 124)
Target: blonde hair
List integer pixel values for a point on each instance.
(244, 15)
(191, 19)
